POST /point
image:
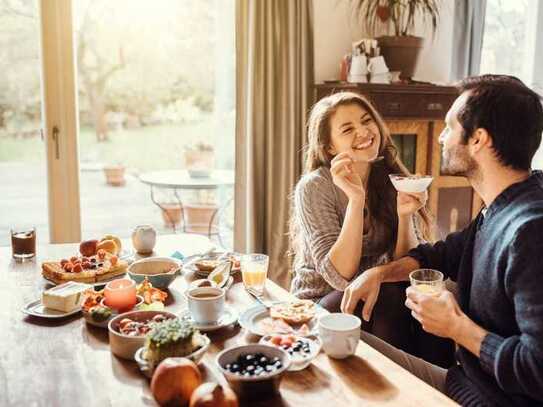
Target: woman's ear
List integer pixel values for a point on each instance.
(331, 150)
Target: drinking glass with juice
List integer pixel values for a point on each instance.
(254, 271)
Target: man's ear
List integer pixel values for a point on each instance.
(479, 140)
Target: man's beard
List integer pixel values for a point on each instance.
(456, 161)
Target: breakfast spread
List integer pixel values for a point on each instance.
(270, 326)
(296, 347)
(254, 364)
(294, 312)
(130, 327)
(209, 262)
(410, 183)
(97, 262)
(65, 297)
(149, 293)
(172, 338)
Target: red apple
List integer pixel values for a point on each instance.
(174, 381)
(213, 395)
(88, 247)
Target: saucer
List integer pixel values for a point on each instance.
(229, 317)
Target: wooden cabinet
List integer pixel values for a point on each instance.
(415, 115)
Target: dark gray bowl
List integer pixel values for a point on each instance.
(258, 387)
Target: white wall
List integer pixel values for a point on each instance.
(336, 29)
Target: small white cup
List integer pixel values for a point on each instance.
(206, 304)
(339, 334)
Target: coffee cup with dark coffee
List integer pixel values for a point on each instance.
(206, 304)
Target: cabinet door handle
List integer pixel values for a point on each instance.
(56, 133)
(393, 106)
(434, 106)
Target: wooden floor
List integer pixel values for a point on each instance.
(104, 209)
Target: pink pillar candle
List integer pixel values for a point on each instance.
(120, 294)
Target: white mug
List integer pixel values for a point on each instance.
(358, 65)
(206, 304)
(377, 65)
(339, 334)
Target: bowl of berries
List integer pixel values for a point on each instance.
(301, 349)
(253, 371)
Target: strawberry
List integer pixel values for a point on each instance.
(86, 265)
(113, 260)
(276, 340)
(73, 258)
(101, 254)
(63, 262)
(77, 268)
(287, 341)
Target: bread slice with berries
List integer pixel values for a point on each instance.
(95, 269)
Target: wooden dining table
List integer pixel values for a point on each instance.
(67, 362)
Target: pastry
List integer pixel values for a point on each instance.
(294, 312)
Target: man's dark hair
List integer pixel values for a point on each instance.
(509, 111)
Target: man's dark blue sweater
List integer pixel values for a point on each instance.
(497, 262)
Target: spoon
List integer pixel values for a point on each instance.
(374, 160)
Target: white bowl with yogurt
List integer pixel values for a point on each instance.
(411, 183)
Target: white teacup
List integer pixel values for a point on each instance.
(339, 334)
(206, 304)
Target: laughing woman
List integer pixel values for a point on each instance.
(347, 217)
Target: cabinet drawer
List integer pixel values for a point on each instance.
(420, 106)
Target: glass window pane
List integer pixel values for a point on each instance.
(156, 94)
(22, 153)
(504, 37)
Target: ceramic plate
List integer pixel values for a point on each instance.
(36, 308)
(252, 320)
(189, 262)
(229, 317)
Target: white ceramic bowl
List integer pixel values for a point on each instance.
(253, 387)
(410, 183)
(299, 361)
(148, 368)
(125, 346)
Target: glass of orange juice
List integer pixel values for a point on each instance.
(427, 281)
(254, 270)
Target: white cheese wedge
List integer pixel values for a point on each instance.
(65, 297)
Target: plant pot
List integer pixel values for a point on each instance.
(115, 175)
(198, 217)
(171, 214)
(199, 163)
(401, 53)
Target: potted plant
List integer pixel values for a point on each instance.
(115, 175)
(402, 49)
(199, 159)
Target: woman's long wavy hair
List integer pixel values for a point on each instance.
(381, 195)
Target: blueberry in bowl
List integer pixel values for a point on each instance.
(253, 371)
(302, 350)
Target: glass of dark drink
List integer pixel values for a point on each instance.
(23, 243)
